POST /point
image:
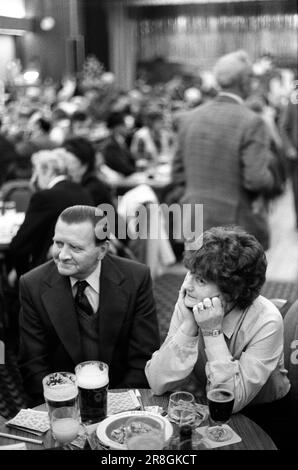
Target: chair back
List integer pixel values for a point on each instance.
(291, 352)
(18, 191)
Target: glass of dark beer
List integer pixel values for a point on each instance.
(220, 399)
(61, 397)
(93, 383)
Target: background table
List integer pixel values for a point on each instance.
(253, 437)
(158, 178)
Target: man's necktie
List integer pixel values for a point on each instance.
(81, 299)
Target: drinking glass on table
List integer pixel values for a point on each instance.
(220, 397)
(143, 433)
(61, 397)
(93, 384)
(181, 409)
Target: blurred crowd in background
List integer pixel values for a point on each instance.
(42, 115)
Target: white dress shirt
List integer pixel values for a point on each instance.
(250, 349)
(92, 290)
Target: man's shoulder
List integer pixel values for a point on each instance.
(39, 273)
(66, 185)
(70, 189)
(184, 118)
(127, 266)
(197, 111)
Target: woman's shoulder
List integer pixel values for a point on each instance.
(265, 308)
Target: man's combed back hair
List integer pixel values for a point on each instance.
(78, 214)
(234, 260)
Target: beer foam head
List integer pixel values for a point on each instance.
(220, 395)
(61, 392)
(60, 386)
(90, 376)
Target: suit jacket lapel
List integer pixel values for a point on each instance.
(59, 304)
(113, 304)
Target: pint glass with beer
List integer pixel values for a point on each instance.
(93, 383)
(61, 397)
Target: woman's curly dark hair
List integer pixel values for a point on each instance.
(234, 260)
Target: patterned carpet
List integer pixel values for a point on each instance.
(12, 396)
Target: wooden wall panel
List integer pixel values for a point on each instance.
(52, 47)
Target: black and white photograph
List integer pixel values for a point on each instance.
(148, 228)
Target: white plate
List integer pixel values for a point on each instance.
(113, 422)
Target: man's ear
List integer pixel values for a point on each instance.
(103, 249)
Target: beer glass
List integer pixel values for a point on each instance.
(93, 383)
(61, 397)
(220, 399)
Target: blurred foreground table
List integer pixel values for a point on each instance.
(253, 437)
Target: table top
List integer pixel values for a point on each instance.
(158, 178)
(253, 437)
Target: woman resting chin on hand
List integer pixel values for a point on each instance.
(222, 328)
(202, 299)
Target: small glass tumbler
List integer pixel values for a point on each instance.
(181, 409)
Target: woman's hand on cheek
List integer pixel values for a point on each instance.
(209, 314)
(186, 316)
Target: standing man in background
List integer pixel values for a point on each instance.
(224, 155)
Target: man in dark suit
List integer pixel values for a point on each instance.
(115, 151)
(113, 320)
(223, 154)
(31, 244)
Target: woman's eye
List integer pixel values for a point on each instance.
(58, 244)
(200, 281)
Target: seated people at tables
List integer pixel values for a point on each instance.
(80, 124)
(222, 328)
(117, 326)
(8, 159)
(31, 244)
(40, 134)
(82, 170)
(152, 140)
(116, 152)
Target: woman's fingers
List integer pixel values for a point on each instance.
(207, 303)
(209, 312)
(216, 302)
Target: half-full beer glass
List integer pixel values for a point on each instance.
(93, 383)
(220, 397)
(61, 397)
